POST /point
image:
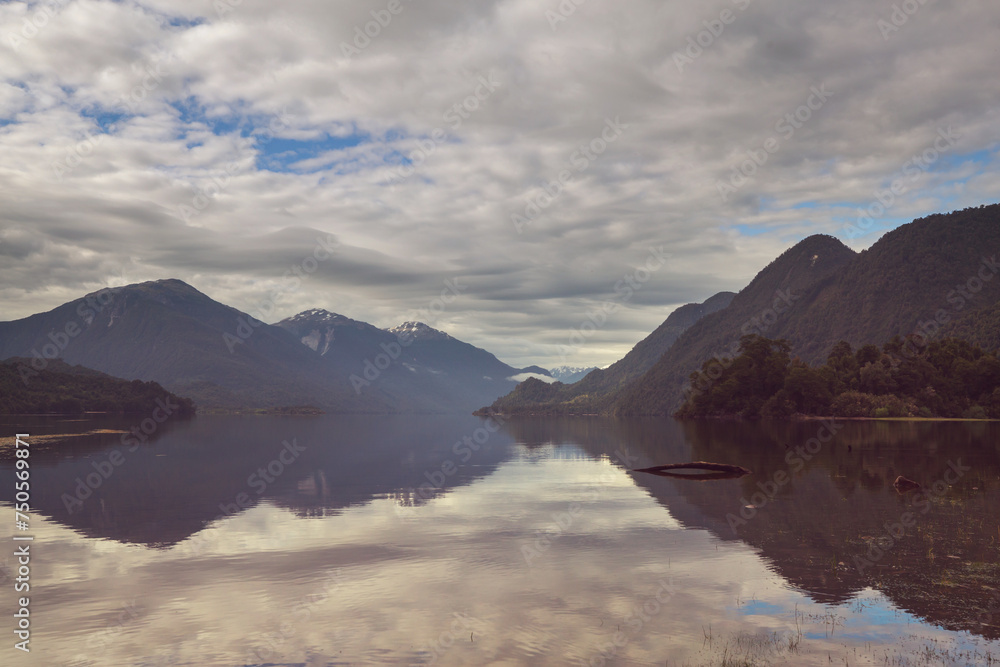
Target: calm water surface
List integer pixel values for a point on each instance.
(420, 540)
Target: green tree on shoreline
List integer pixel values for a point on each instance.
(905, 378)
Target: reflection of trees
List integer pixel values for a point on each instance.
(835, 505)
(826, 519)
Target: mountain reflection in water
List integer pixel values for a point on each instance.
(420, 539)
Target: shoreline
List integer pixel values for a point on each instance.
(797, 418)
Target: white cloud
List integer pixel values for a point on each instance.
(218, 76)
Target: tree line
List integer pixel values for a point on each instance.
(906, 377)
(65, 389)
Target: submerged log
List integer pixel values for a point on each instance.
(712, 470)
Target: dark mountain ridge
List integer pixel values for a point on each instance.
(168, 332)
(933, 276)
(918, 278)
(775, 295)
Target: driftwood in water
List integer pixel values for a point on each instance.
(712, 470)
(903, 484)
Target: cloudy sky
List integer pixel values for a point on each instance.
(215, 140)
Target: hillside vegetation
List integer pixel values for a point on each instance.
(912, 377)
(64, 389)
(780, 293)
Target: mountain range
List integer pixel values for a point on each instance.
(428, 369)
(168, 332)
(935, 276)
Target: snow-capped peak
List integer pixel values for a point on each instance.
(417, 331)
(318, 315)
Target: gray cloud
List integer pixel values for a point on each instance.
(117, 214)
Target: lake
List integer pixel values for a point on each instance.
(331, 540)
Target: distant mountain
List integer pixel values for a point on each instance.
(941, 268)
(425, 368)
(594, 391)
(337, 338)
(570, 374)
(168, 332)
